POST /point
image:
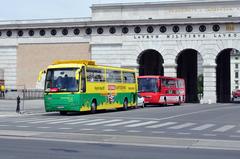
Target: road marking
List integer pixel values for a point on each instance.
(109, 130)
(86, 121)
(182, 133)
(224, 128)
(141, 124)
(43, 127)
(158, 132)
(4, 125)
(179, 115)
(162, 125)
(182, 126)
(22, 126)
(209, 135)
(44, 121)
(85, 129)
(66, 121)
(203, 127)
(234, 136)
(64, 128)
(32, 120)
(104, 122)
(133, 131)
(122, 123)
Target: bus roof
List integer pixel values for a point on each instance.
(79, 63)
(85, 62)
(158, 76)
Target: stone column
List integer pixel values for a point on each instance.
(209, 83)
(170, 70)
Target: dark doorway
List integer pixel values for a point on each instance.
(187, 69)
(223, 75)
(150, 63)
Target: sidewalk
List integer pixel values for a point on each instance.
(8, 107)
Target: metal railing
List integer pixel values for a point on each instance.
(26, 94)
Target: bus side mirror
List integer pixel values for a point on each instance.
(77, 74)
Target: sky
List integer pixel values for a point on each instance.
(51, 9)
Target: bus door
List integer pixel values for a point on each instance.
(82, 80)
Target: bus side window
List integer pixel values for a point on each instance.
(160, 85)
(83, 79)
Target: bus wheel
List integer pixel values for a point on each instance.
(165, 101)
(179, 102)
(63, 113)
(125, 104)
(93, 107)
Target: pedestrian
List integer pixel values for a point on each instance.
(2, 91)
(18, 105)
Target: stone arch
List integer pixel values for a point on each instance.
(150, 63)
(189, 67)
(224, 83)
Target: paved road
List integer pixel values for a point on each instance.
(191, 126)
(29, 149)
(189, 121)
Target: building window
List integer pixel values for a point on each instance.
(175, 28)
(42, 32)
(100, 30)
(76, 31)
(9, 33)
(236, 65)
(88, 31)
(216, 27)
(202, 28)
(112, 30)
(30, 32)
(20, 33)
(137, 29)
(236, 58)
(236, 87)
(189, 28)
(65, 31)
(125, 30)
(236, 82)
(236, 75)
(150, 29)
(163, 29)
(53, 32)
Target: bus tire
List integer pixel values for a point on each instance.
(179, 101)
(125, 104)
(165, 101)
(63, 113)
(93, 107)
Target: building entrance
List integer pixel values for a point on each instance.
(223, 75)
(188, 63)
(150, 63)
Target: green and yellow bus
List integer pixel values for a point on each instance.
(81, 85)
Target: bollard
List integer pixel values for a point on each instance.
(18, 105)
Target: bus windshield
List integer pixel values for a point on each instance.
(147, 85)
(61, 80)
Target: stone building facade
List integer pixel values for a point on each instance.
(166, 38)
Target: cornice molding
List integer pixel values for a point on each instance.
(179, 3)
(75, 23)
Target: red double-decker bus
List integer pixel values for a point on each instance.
(161, 90)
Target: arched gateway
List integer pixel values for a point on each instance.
(165, 38)
(150, 63)
(189, 67)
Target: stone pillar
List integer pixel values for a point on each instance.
(209, 83)
(170, 70)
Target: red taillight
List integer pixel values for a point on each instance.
(54, 89)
